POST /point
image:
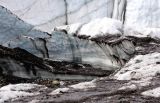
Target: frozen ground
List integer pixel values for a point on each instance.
(12, 92)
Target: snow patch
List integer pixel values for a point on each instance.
(153, 93)
(140, 67)
(102, 27)
(59, 91)
(15, 91)
(132, 87)
(142, 32)
(84, 85)
(98, 27)
(71, 29)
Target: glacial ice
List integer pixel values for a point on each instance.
(45, 15)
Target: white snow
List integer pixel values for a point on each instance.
(15, 91)
(59, 91)
(132, 87)
(102, 27)
(71, 29)
(142, 32)
(18, 87)
(98, 27)
(84, 85)
(153, 93)
(140, 67)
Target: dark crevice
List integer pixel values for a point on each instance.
(113, 9)
(73, 49)
(124, 12)
(42, 48)
(66, 12)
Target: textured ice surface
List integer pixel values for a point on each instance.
(16, 91)
(140, 67)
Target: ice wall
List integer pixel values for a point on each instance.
(46, 14)
(64, 46)
(143, 13)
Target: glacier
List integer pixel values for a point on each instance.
(46, 14)
(64, 43)
(102, 36)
